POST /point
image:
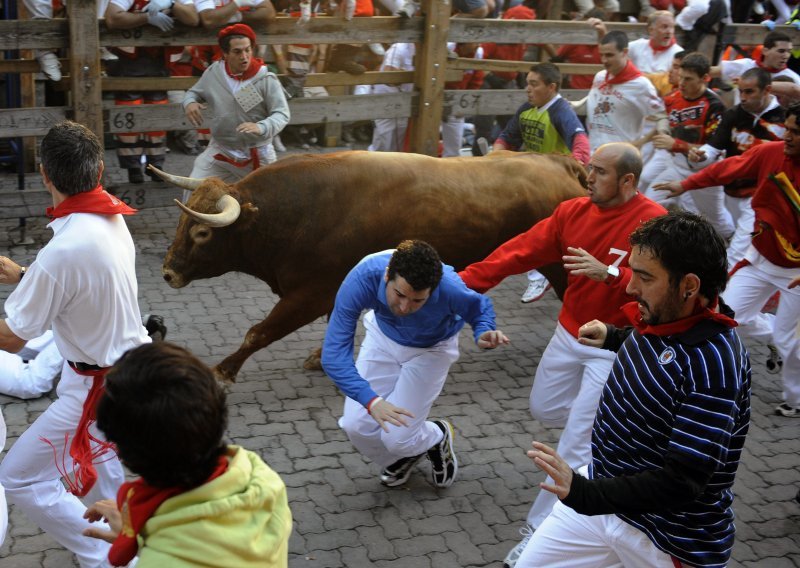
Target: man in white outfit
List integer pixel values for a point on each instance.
(87, 273)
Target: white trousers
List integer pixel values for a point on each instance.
(566, 391)
(747, 290)
(3, 506)
(32, 481)
(32, 379)
(206, 165)
(452, 136)
(745, 217)
(408, 377)
(389, 135)
(571, 540)
(709, 201)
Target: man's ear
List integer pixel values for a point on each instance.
(690, 286)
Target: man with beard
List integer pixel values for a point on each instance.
(671, 423)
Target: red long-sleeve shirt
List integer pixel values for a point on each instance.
(773, 210)
(602, 232)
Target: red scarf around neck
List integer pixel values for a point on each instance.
(700, 313)
(659, 48)
(628, 73)
(770, 69)
(249, 73)
(137, 501)
(97, 201)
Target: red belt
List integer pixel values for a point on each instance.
(241, 163)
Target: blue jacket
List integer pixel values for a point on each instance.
(442, 317)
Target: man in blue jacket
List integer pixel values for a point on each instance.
(416, 307)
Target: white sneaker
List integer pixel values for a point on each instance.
(513, 555)
(483, 146)
(535, 290)
(407, 10)
(50, 65)
(106, 55)
(377, 49)
(278, 144)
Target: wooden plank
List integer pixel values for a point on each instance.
(304, 111)
(431, 62)
(18, 34)
(30, 121)
(521, 66)
(493, 102)
(32, 202)
(27, 84)
(84, 65)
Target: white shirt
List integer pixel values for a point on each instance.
(617, 113)
(83, 285)
(647, 60)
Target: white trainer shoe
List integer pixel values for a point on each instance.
(513, 555)
(535, 290)
(50, 65)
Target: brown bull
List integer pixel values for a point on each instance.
(302, 223)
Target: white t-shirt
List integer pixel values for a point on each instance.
(616, 113)
(399, 56)
(733, 69)
(83, 285)
(647, 60)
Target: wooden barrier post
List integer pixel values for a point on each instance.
(84, 64)
(430, 78)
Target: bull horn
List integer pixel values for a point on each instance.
(186, 183)
(229, 210)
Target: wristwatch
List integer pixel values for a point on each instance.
(612, 271)
(22, 271)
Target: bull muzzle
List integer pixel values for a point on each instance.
(187, 183)
(229, 211)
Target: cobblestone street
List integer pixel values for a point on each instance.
(343, 516)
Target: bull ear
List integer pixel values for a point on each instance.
(248, 216)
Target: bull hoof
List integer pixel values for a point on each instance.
(223, 375)
(314, 361)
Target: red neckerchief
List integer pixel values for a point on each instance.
(97, 200)
(770, 69)
(250, 72)
(631, 311)
(659, 48)
(137, 501)
(629, 73)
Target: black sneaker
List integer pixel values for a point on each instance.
(399, 472)
(774, 361)
(135, 175)
(443, 458)
(155, 327)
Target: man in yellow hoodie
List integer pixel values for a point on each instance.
(199, 501)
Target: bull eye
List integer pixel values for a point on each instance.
(200, 234)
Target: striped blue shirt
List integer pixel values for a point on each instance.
(691, 399)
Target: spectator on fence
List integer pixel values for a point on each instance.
(248, 106)
(485, 124)
(198, 501)
(216, 13)
(621, 98)
(582, 7)
(354, 58)
(389, 134)
(144, 62)
(453, 126)
(587, 54)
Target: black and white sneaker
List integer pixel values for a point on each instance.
(155, 327)
(399, 472)
(784, 409)
(774, 361)
(443, 458)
